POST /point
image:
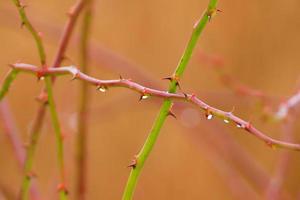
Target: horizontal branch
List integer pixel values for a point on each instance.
(103, 85)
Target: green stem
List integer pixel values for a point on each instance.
(165, 108)
(30, 155)
(83, 108)
(10, 77)
(34, 33)
(58, 135)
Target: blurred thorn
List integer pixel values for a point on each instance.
(185, 95)
(167, 78)
(31, 175)
(22, 24)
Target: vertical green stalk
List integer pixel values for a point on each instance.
(59, 137)
(30, 155)
(55, 122)
(164, 111)
(83, 106)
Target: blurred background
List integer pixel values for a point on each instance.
(254, 42)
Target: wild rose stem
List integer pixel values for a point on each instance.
(82, 130)
(167, 104)
(103, 85)
(34, 137)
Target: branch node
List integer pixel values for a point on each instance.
(212, 12)
(40, 75)
(248, 127)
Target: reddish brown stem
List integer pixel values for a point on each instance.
(210, 111)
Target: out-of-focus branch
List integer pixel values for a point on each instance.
(274, 189)
(146, 92)
(82, 119)
(67, 32)
(287, 105)
(228, 81)
(12, 132)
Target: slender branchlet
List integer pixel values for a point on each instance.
(274, 189)
(209, 111)
(82, 131)
(165, 108)
(37, 37)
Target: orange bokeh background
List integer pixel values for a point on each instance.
(256, 40)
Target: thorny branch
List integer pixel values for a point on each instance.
(145, 92)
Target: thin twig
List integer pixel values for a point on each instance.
(145, 92)
(12, 132)
(83, 106)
